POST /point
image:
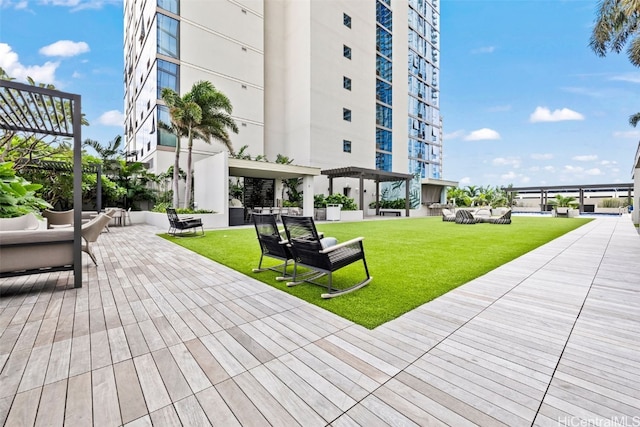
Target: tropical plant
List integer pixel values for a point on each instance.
(109, 154)
(319, 201)
(203, 113)
(17, 195)
(617, 26)
(564, 201)
(348, 204)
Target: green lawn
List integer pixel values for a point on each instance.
(412, 261)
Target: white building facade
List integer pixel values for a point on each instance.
(328, 83)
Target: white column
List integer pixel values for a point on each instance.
(307, 196)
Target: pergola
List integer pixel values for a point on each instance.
(49, 112)
(370, 174)
(580, 189)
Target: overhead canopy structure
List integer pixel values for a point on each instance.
(370, 174)
(580, 189)
(49, 112)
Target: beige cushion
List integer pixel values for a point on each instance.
(33, 249)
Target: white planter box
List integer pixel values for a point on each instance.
(209, 221)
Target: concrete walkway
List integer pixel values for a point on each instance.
(160, 336)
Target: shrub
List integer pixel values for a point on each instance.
(348, 204)
(162, 208)
(17, 195)
(319, 201)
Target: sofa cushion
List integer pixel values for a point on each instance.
(24, 222)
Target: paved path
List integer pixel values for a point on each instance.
(160, 336)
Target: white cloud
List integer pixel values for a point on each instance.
(65, 48)
(464, 181)
(573, 169)
(112, 118)
(594, 172)
(542, 156)
(550, 168)
(453, 135)
(482, 134)
(631, 134)
(627, 77)
(508, 161)
(77, 5)
(585, 158)
(484, 49)
(608, 162)
(10, 62)
(543, 114)
(509, 176)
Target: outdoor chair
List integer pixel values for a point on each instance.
(448, 216)
(178, 227)
(463, 216)
(91, 231)
(505, 218)
(272, 244)
(321, 256)
(58, 219)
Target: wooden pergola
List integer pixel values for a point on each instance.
(49, 112)
(370, 174)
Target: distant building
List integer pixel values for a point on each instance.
(328, 84)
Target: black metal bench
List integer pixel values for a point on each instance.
(384, 212)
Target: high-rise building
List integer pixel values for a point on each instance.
(327, 83)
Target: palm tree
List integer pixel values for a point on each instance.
(110, 154)
(618, 23)
(202, 113)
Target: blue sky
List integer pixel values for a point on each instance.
(524, 99)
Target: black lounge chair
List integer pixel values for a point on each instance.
(178, 227)
(505, 218)
(308, 251)
(465, 217)
(272, 244)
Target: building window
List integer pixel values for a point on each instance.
(168, 36)
(346, 146)
(167, 76)
(166, 138)
(346, 51)
(346, 20)
(169, 5)
(346, 83)
(383, 161)
(346, 114)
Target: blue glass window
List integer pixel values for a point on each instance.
(383, 116)
(165, 137)
(383, 68)
(346, 146)
(346, 20)
(169, 5)
(383, 140)
(168, 36)
(167, 76)
(383, 42)
(346, 83)
(383, 161)
(383, 92)
(383, 16)
(346, 114)
(346, 51)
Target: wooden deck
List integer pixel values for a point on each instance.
(160, 336)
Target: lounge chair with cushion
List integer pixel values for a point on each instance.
(464, 216)
(179, 227)
(272, 244)
(322, 256)
(448, 215)
(505, 218)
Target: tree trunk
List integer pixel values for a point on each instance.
(176, 175)
(187, 196)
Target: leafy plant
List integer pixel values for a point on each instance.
(17, 195)
(319, 201)
(348, 204)
(564, 201)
